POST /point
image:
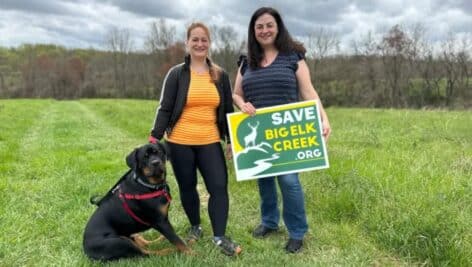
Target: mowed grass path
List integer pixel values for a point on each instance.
(398, 191)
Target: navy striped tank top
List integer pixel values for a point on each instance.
(273, 85)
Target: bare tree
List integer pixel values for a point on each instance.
(226, 46)
(464, 65)
(413, 53)
(366, 49)
(161, 36)
(424, 63)
(120, 44)
(394, 50)
(321, 44)
(28, 70)
(449, 55)
(430, 74)
(3, 70)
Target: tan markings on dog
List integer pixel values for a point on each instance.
(141, 246)
(159, 239)
(185, 249)
(146, 171)
(154, 180)
(164, 209)
(139, 240)
(191, 241)
(142, 243)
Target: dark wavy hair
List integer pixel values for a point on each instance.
(283, 42)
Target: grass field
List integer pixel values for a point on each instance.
(398, 191)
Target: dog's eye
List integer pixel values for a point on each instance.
(151, 152)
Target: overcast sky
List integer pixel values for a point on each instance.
(84, 23)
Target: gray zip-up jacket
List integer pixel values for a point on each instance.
(174, 97)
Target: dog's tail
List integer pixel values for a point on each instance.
(96, 199)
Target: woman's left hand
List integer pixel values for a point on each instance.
(326, 129)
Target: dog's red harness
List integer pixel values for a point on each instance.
(155, 194)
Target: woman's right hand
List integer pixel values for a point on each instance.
(248, 108)
(152, 139)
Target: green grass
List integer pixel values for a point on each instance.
(397, 193)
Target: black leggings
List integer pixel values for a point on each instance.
(210, 161)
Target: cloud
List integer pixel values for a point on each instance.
(37, 7)
(84, 23)
(85, 27)
(152, 8)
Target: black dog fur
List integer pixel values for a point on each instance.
(111, 232)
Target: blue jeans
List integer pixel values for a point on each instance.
(293, 204)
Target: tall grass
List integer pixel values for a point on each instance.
(398, 191)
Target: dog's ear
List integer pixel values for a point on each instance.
(132, 159)
(165, 149)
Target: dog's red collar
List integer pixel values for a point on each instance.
(154, 194)
(124, 196)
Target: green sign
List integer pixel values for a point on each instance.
(277, 140)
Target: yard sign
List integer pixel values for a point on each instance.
(277, 140)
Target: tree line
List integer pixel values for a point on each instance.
(399, 69)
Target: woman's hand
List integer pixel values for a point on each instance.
(248, 108)
(228, 151)
(326, 129)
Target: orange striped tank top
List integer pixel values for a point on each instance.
(197, 123)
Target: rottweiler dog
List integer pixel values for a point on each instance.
(139, 201)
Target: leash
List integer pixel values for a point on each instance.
(110, 192)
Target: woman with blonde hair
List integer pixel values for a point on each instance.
(196, 96)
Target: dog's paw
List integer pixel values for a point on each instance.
(157, 240)
(189, 252)
(139, 240)
(190, 241)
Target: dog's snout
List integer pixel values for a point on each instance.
(156, 162)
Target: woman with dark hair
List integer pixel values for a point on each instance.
(275, 73)
(196, 96)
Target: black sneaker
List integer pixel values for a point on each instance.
(194, 233)
(261, 231)
(294, 245)
(227, 246)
